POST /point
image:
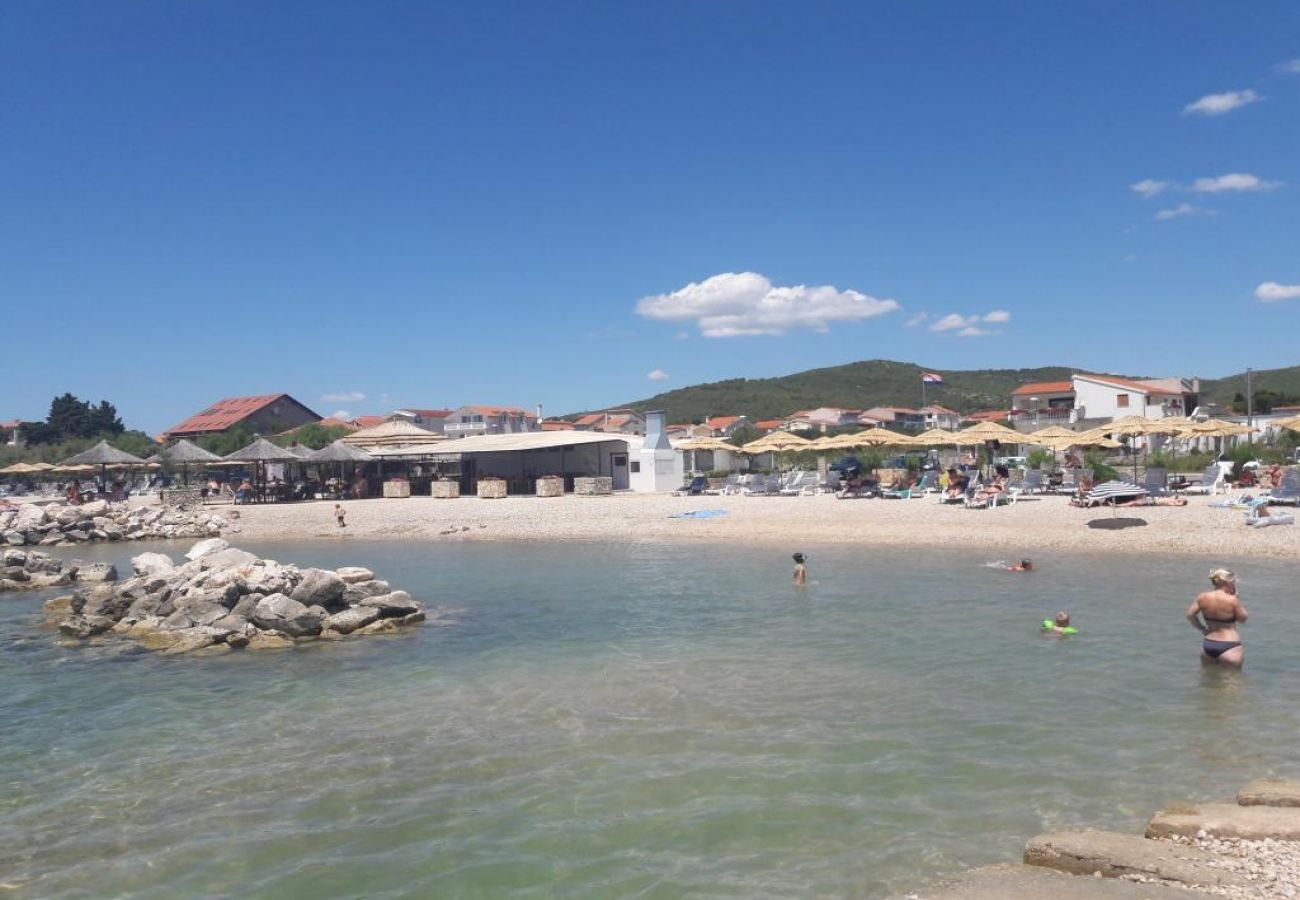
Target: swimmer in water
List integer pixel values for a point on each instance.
(1222, 612)
(1025, 565)
(800, 573)
(1059, 625)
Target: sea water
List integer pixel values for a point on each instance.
(638, 720)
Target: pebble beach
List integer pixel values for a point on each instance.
(1031, 525)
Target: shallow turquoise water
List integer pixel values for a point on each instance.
(638, 721)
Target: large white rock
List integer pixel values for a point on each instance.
(355, 574)
(204, 547)
(152, 564)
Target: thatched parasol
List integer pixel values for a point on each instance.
(19, 468)
(102, 454)
(393, 433)
(1292, 423)
(262, 450)
(341, 452)
(777, 441)
(184, 451)
(935, 437)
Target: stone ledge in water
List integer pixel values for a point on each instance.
(57, 524)
(225, 598)
(1114, 855)
(1270, 792)
(34, 569)
(1250, 823)
(1010, 881)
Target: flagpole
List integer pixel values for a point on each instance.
(922, 390)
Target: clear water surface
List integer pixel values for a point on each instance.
(635, 720)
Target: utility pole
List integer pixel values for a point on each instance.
(1250, 408)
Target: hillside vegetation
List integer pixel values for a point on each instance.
(862, 385)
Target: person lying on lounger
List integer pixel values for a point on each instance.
(1153, 501)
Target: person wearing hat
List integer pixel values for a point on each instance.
(1216, 614)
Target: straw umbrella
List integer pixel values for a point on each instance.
(1138, 426)
(262, 451)
(103, 455)
(711, 444)
(184, 453)
(1292, 423)
(935, 437)
(341, 453)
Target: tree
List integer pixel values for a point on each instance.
(103, 419)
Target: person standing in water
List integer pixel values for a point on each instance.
(800, 573)
(1216, 614)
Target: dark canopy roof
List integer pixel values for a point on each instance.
(102, 454)
(262, 450)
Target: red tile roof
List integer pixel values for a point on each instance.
(11, 424)
(986, 415)
(1044, 387)
(590, 419)
(223, 414)
(498, 410)
(557, 426)
(769, 424)
(427, 413)
(722, 421)
(368, 421)
(1128, 385)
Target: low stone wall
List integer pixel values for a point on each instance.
(444, 490)
(492, 488)
(593, 485)
(63, 525)
(550, 486)
(224, 598)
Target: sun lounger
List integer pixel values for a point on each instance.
(1212, 482)
(1277, 518)
(1288, 489)
(799, 484)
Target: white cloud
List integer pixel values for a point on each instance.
(969, 326)
(1182, 209)
(1272, 292)
(657, 375)
(916, 319)
(1290, 67)
(1149, 187)
(746, 303)
(343, 397)
(1218, 104)
(339, 414)
(682, 336)
(1234, 181)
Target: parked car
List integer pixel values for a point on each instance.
(847, 467)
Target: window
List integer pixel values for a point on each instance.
(1122, 401)
(635, 465)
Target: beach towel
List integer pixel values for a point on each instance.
(1275, 519)
(699, 514)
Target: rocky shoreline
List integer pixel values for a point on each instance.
(66, 525)
(222, 598)
(1245, 849)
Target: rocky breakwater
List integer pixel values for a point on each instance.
(224, 598)
(30, 569)
(59, 525)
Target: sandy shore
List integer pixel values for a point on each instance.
(1031, 524)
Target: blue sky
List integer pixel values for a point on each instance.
(581, 204)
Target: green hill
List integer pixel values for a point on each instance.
(862, 385)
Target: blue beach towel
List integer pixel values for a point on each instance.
(699, 514)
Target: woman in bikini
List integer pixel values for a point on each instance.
(1222, 612)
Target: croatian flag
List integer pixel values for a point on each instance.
(931, 378)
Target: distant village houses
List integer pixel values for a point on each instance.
(12, 432)
(1087, 400)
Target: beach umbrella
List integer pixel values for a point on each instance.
(340, 452)
(777, 441)
(935, 437)
(102, 454)
(870, 437)
(19, 468)
(1292, 423)
(1051, 431)
(1217, 428)
(1138, 426)
(711, 444)
(184, 453)
(989, 431)
(1108, 492)
(262, 450)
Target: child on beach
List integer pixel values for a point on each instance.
(339, 513)
(800, 573)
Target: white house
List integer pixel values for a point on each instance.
(1107, 397)
(654, 467)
